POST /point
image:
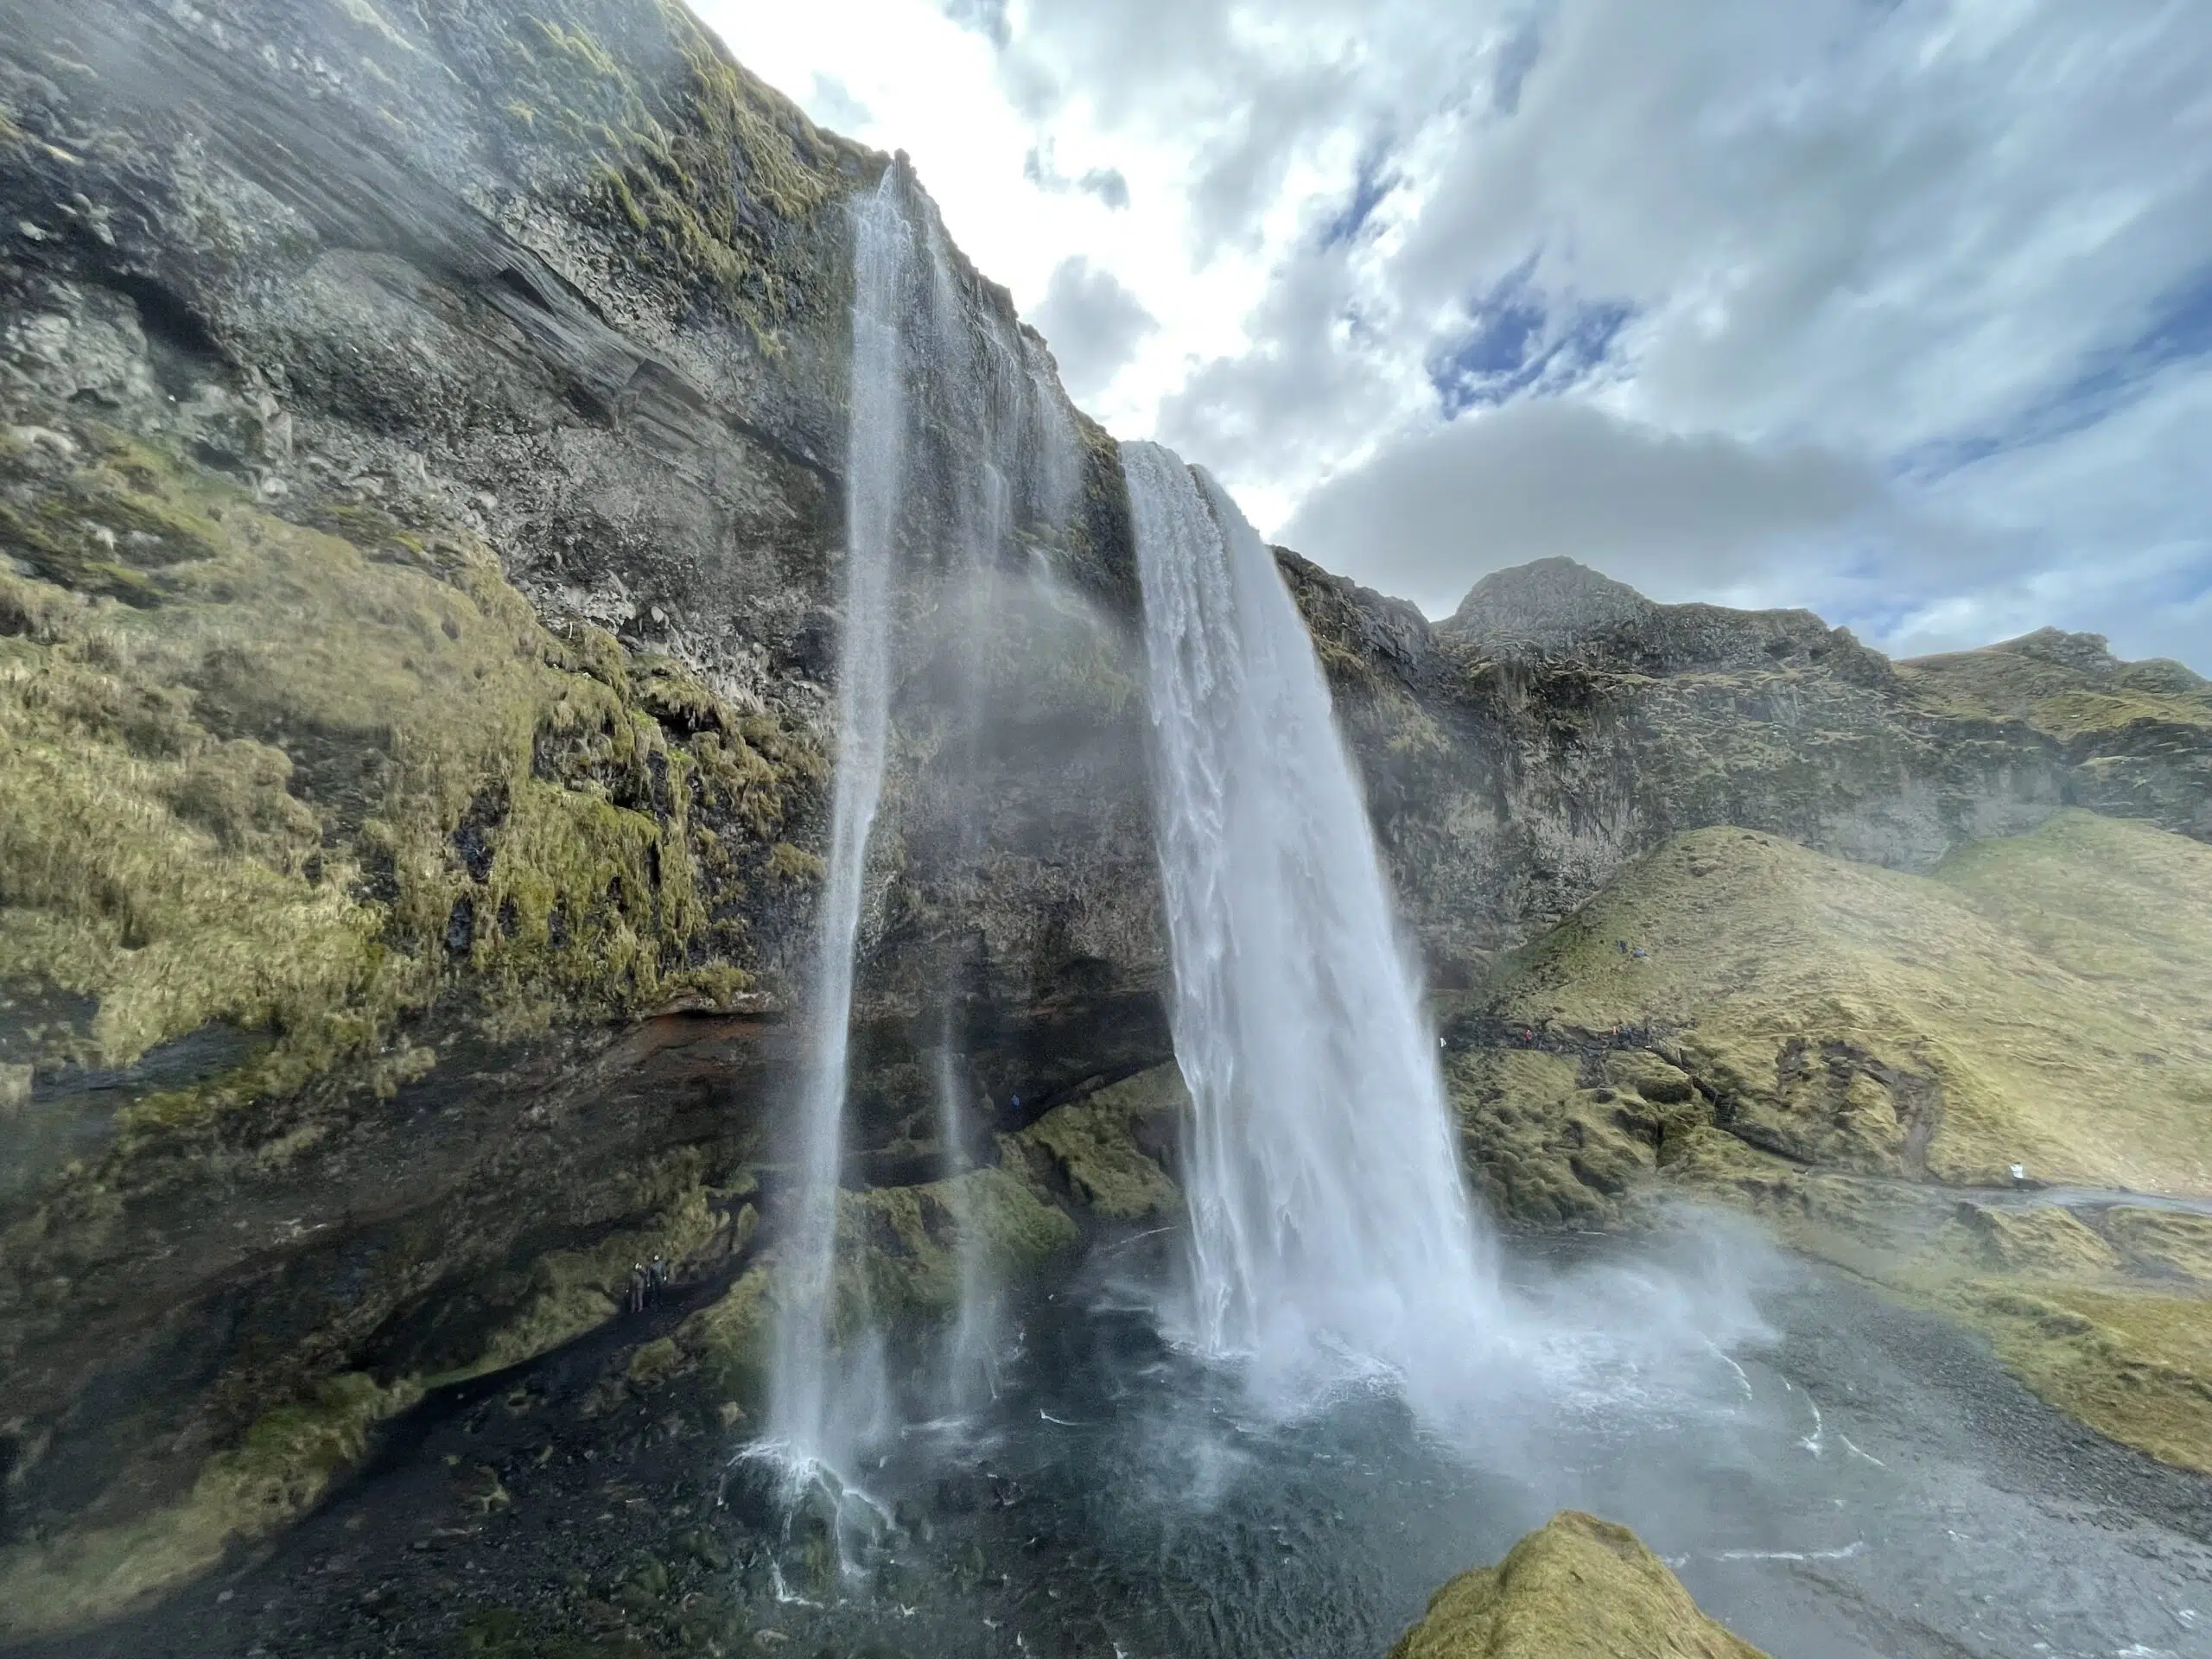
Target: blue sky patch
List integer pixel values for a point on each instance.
(1522, 343)
(2178, 330)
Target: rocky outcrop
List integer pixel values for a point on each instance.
(1576, 1588)
(1520, 754)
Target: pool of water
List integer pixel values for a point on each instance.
(1829, 1475)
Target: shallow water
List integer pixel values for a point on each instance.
(1828, 1490)
(1832, 1476)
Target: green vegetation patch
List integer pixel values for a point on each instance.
(1095, 1145)
(2038, 1001)
(696, 170)
(2025, 680)
(284, 1465)
(1576, 1588)
(298, 787)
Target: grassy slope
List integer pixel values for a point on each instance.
(2053, 987)
(2007, 683)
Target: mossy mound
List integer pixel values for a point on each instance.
(1576, 1588)
(2037, 1000)
(1103, 1148)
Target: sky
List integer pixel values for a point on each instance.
(1895, 310)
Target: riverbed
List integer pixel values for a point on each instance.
(1832, 1476)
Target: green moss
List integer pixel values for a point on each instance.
(689, 169)
(2038, 688)
(282, 1465)
(2162, 1243)
(2035, 1003)
(1094, 1145)
(2134, 1364)
(269, 800)
(1577, 1588)
(899, 1257)
(575, 1291)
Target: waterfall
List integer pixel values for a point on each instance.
(800, 1408)
(957, 434)
(1330, 1230)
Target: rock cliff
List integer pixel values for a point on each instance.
(422, 478)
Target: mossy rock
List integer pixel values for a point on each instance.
(1576, 1588)
(1545, 1147)
(283, 1464)
(1095, 1145)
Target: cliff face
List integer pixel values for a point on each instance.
(421, 491)
(1522, 753)
(422, 486)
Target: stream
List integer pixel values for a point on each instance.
(1832, 1476)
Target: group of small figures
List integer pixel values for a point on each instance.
(647, 1280)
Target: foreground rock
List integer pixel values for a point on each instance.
(1576, 1588)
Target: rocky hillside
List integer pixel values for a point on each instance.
(422, 486)
(1860, 1055)
(1521, 753)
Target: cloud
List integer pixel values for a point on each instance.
(1958, 249)
(832, 104)
(1678, 516)
(1104, 183)
(987, 17)
(1093, 324)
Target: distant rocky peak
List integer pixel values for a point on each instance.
(1551, 603)
(2086, 653)
(1557, 608)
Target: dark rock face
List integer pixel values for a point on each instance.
(1560, 725)
(422, 486)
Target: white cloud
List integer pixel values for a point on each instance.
(1094, 324)
(1792, 264)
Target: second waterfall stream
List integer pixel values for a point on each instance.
(1330, 1236)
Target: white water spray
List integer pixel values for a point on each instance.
(808, 1426)
(1330, 1235)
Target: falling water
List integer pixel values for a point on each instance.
(947, 389)
(801, 1411)
(1011, 460)
(1330, 1231)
